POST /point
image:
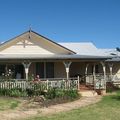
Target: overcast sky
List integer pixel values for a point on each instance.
(96, 21)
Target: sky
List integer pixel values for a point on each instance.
(96, 21)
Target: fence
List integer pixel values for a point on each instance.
(44, 84)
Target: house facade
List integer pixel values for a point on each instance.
(31, 54)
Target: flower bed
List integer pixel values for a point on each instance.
(51, 97)
(46, 97)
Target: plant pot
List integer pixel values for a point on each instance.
(99, 92)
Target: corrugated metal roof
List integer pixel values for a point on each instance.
(115, 59)
(81, 48)
(88, 48)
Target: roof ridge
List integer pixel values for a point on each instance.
(76, 42)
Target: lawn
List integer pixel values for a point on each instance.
(107, 109)
(8, 103)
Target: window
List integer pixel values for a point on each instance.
(49, 70)
(2, 69)
(40, 69)
(19, 69)
(45, 69)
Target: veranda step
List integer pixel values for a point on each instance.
(88, 93)
(84, 87)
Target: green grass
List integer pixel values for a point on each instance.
(107, 109)
(8, 103)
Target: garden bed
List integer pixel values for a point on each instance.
(37, 94)
(51, 97)
(38, 97)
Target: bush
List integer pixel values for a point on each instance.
(58, 96)
(36, 89)
(4, 92)
(15, 92)
(51, 93)
(30, 92)
(60, 93)
(72, 94)
(18, 93)
(109, 90)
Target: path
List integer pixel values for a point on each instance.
(19, 114)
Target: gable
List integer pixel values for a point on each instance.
(32, 43)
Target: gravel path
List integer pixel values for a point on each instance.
(19, 114)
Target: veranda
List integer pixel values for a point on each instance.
(56, 72)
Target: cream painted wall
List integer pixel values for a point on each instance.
(29, 48)
(116, 69)
(59, 70)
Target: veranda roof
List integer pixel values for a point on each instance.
(115, 59)
(46, 56)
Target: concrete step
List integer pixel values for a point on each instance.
(88, 93)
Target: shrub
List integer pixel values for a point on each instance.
(30, 92)
(58, 96)
(15, 92)
(109, 90)
(4, 92)
(36, 89)
(18, 93)
(60, 93)
(72, 94)
(51, 93)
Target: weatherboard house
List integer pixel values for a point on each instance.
(33, 54)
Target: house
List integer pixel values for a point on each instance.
(33, 54)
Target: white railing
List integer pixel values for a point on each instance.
(109, 78)
(45, 84)
(97, 81)
(89, 80)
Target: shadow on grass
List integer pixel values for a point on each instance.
(116, 96)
